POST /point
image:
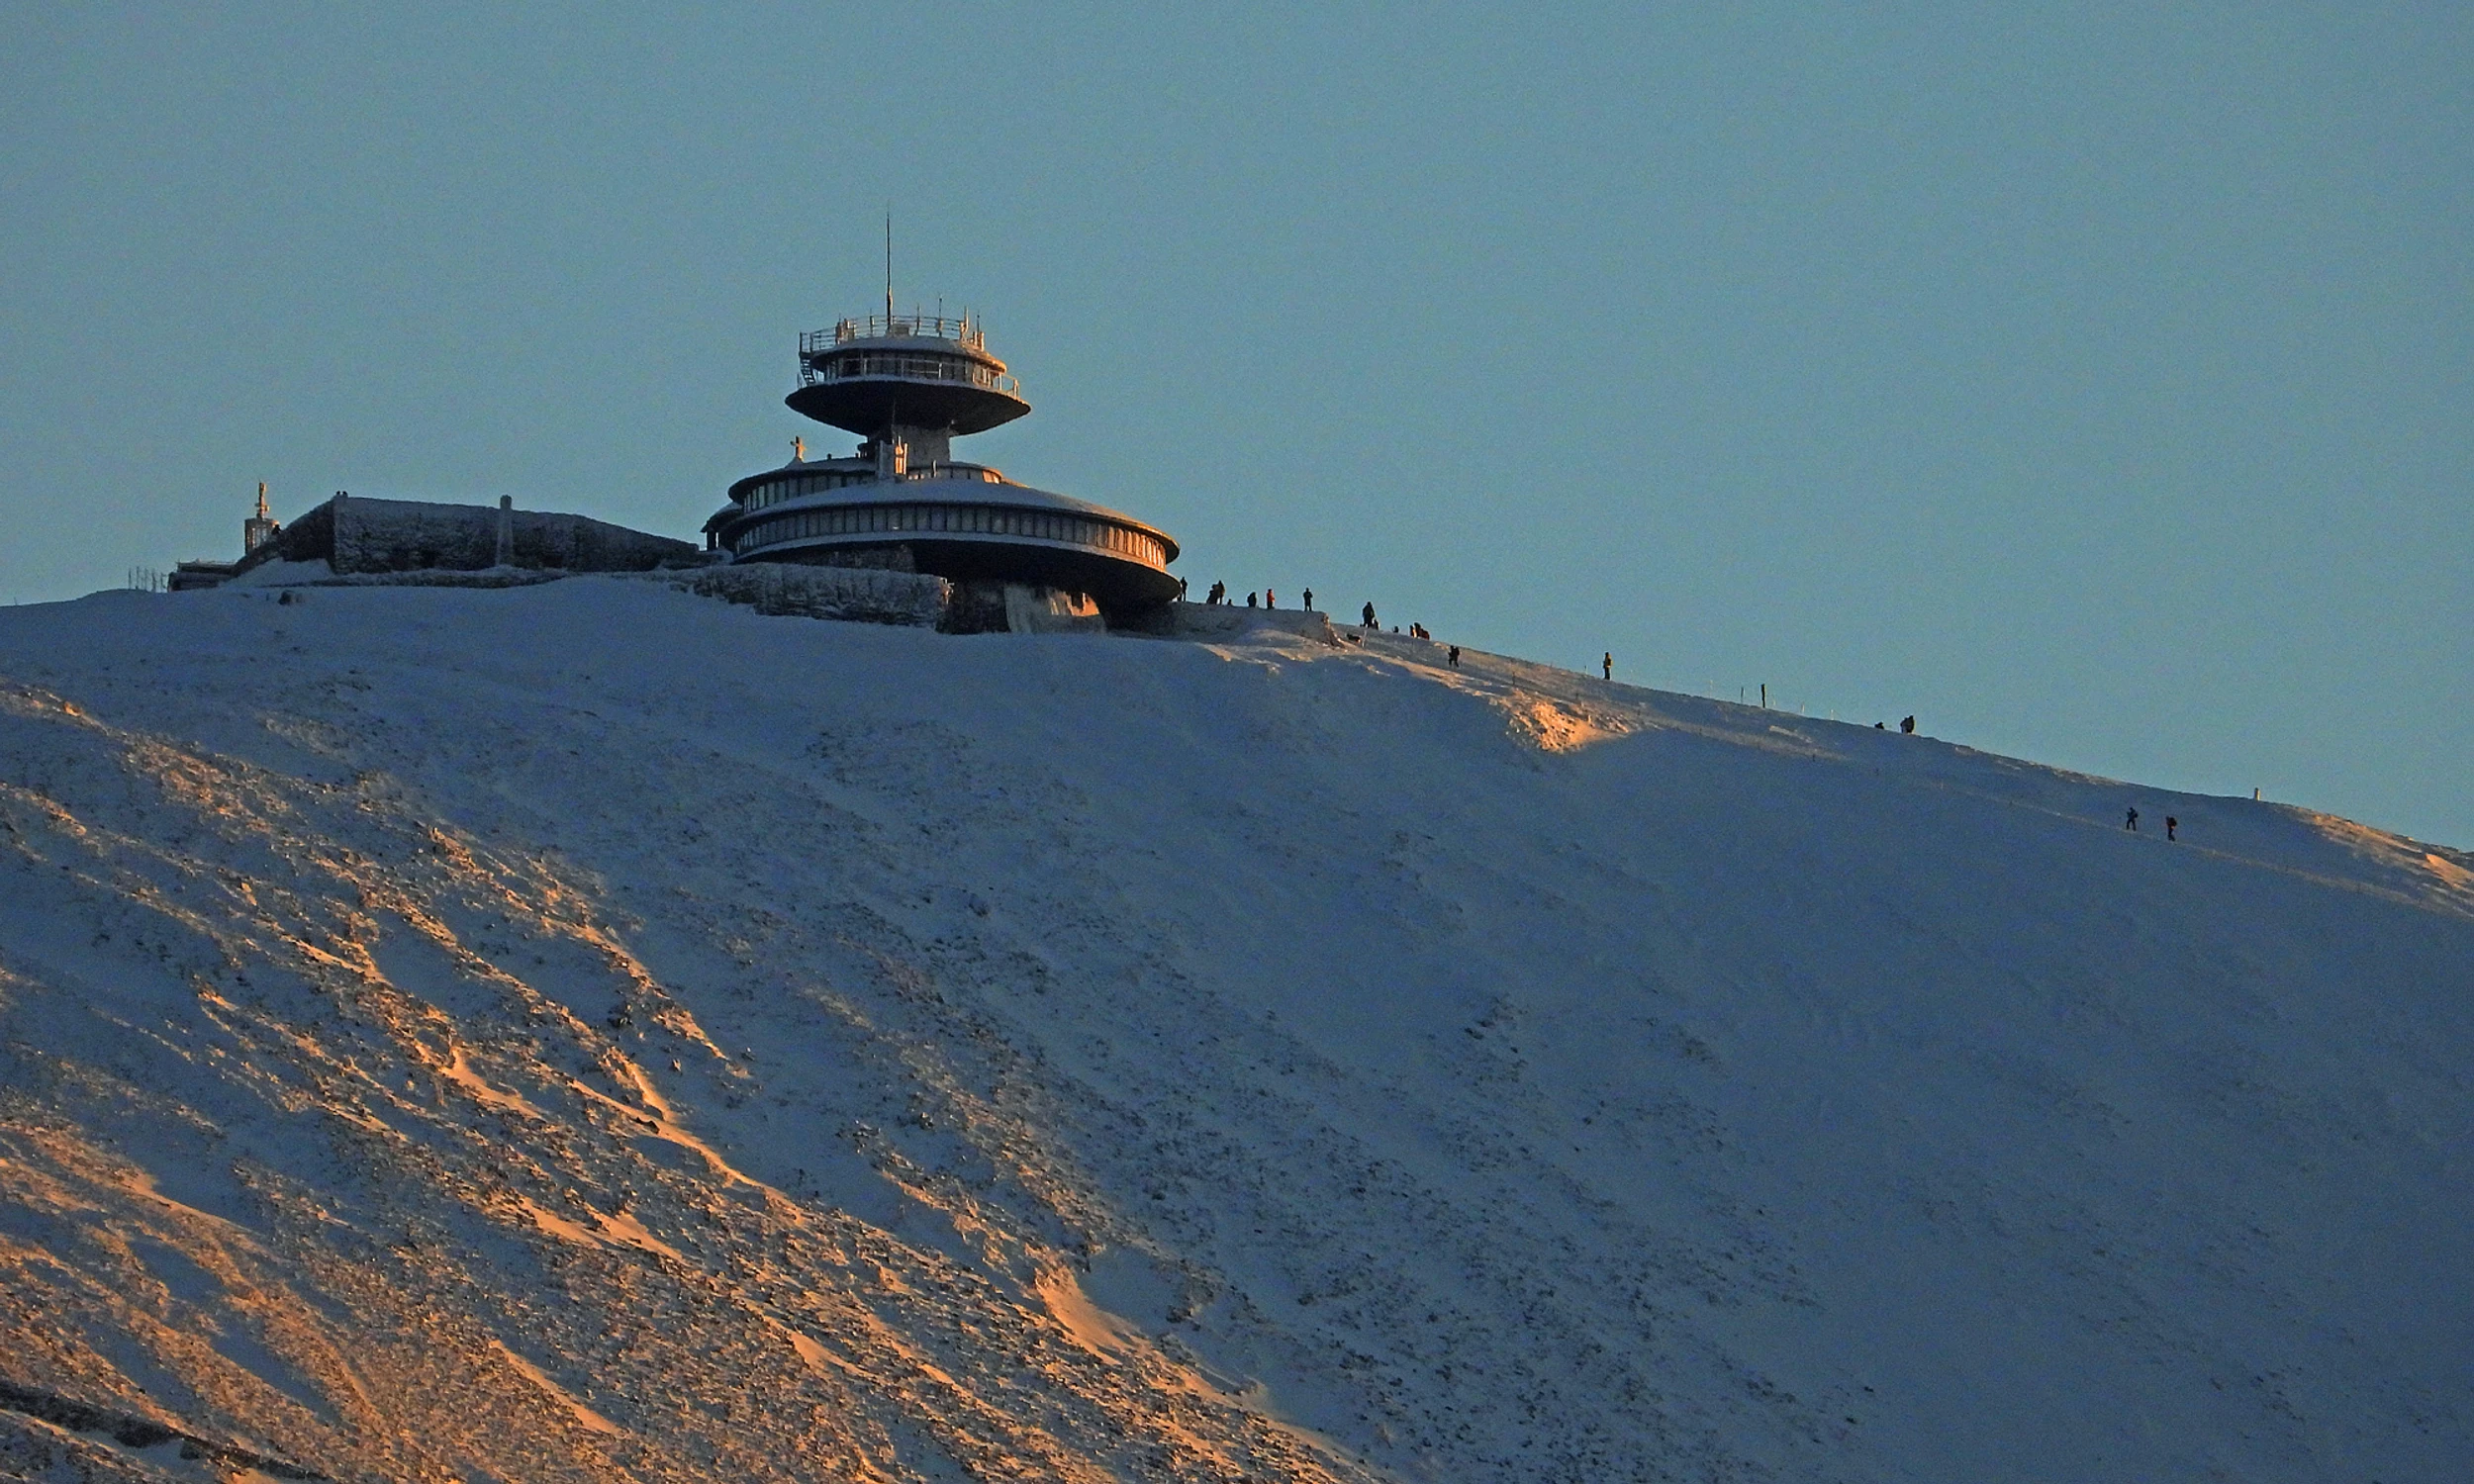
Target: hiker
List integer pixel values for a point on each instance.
(1877, 726)
(1310, 599)
(1250, 600)
(2130, 821)
(2171, 825)
(1455, 657)
(1181, 590)
(1908, 725)
(1608, 664)
(1267, 601)
(1370, 616)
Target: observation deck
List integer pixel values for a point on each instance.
(871, 375)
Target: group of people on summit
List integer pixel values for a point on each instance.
(1218, 594)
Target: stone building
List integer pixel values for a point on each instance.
(353, 535)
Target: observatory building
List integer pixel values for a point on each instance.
(909, 386)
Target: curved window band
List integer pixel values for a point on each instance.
(967, 520)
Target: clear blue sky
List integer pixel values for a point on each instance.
(2095, 383)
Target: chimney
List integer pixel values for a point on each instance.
(259, 528)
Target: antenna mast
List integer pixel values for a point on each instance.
(888, 270)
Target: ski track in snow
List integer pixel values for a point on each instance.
(586, 1031)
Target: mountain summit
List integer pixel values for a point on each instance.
(591, 1032)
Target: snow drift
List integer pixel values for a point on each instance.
(589, 1031)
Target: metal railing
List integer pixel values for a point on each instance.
(965, 331)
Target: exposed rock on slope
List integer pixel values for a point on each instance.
(588, 1032)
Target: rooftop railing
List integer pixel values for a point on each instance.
(965, 331)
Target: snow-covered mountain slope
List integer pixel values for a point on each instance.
(590, 1032)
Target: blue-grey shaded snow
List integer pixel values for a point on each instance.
(806, 1047)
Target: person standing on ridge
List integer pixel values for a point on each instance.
(1268, 600)
(1370, 616)
(1309, 598)
(1608, 664)
(2130, 821)
(1250, 600)
(2171, 825)
(1908, 725)
(1455, 660)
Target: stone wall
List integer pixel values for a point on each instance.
(856, 595)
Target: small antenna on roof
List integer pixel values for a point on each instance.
(889, 268)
